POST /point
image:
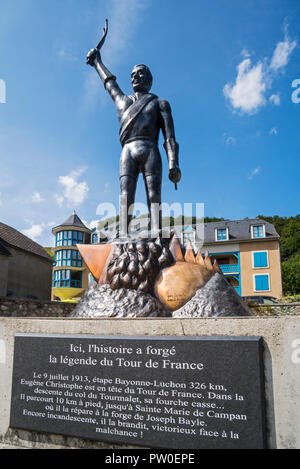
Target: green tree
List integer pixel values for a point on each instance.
(291, 275)
(288, 229)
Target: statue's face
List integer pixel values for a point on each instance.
(140, 79)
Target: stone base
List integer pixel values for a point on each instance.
(216, 298)
(101, 301)
(280, 357)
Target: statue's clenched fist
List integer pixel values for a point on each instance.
(175, 174)
(92, 56)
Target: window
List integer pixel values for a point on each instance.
(61, 278)
(94, 239)
(69, 238)
(75, 280)
(221, 234)
(67, 278)
(261, 282)
(258, 231)
(260, 259)
(68, 257)
(188, 235)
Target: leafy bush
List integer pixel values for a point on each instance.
(288, 229)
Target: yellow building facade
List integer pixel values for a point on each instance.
(70, 274)
(261, 268)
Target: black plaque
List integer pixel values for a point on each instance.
(164, 392)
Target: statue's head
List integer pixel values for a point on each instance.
(141, 78)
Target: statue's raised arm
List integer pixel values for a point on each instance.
(109, 80)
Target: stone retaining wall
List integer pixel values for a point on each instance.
(21, 308)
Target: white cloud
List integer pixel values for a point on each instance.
(275, 99)
(247, 94)
(59, 199)
(254, 172)
(34, 232)
(273, 131)
(282, 53)
(74, 192)
(37, 198)
(229, 140)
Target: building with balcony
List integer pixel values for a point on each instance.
(70, 274)
(247, 252)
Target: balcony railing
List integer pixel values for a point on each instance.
(67, 283)
(230, 268)
(68, 263)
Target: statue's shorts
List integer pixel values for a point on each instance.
(140, 156)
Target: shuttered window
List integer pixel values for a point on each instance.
(260, 259)
(261, 282)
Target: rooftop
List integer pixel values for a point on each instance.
(11, 237)
(239, 230)
(73, 220)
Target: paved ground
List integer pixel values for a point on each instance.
(6, 446)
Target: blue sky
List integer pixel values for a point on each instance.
(226, 67)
